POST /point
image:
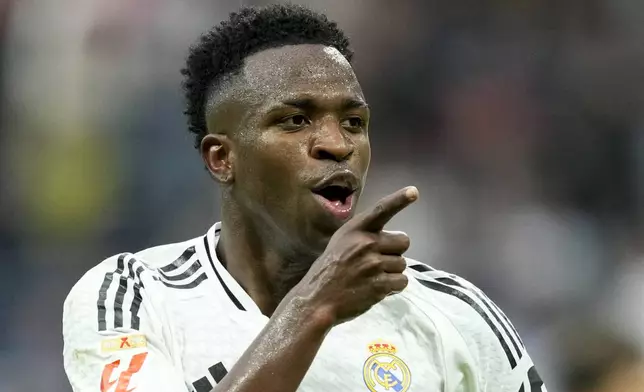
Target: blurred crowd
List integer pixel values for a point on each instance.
(519, 121)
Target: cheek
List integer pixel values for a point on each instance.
(281, 154)
(271, 164)
(364, 149)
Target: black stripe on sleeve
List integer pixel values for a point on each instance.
(536, 383)
(228, 292)
(102, 294)
(202, 385)
(190, 285)
(465, 298)
(191, 271)
(125, 280)
(180, 261)
(507, 321)
(218, 372)
(120, 292)
(489, 305)
(130, 268)
(136, 301)
(185, 275)
(421, 268)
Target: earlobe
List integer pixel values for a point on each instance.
(218, 156)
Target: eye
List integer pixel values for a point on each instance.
(295, 122)
(354, 123)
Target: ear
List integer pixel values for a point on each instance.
(216, 151)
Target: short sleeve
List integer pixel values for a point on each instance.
(485, 347)
(115, 340)
(501, 358)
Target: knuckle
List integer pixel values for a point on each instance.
(403, 238)
(400, 264)
(405, 241)
(372, 263)
(404, 282)
(371, 244)
(349, 237)
(376, 283)
(400, 284)
(396, 241)
(382, 284)
(357, 256)
(367, 241)
(379, 209)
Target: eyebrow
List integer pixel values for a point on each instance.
(309, 103)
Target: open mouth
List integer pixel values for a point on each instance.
(337, 200)
(335, 193)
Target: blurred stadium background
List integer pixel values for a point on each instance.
(519, 121)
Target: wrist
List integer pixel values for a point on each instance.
(320, 318)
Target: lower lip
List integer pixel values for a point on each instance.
(338, 209)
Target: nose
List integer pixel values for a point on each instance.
(331, 143)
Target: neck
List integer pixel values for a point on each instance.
(252, 256)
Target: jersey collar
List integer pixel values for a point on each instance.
(235, 292)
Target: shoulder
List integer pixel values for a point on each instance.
(109, 295)
(141, 265)
(445, 289)
(486, 330)
(122, 287)
(442, 284)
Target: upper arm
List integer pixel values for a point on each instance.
(113, 335)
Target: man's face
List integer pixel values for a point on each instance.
(302, 151)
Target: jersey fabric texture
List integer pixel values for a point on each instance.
(171, 318)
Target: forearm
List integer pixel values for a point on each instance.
(280, 356)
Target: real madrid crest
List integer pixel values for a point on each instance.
(384, 371)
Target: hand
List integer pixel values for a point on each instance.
(361, 265)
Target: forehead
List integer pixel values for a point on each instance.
(291, 70)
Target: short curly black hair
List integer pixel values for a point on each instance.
(222, 50)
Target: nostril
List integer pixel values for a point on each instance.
(336, 147)
(324, 155)
(333, 154)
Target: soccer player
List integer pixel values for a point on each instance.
(291, 290)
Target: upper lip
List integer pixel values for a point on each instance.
(344, 178)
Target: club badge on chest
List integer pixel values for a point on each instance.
(384, 371)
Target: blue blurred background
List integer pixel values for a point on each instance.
(519, 121)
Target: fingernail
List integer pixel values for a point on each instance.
(412, 193)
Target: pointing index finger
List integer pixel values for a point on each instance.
(376, 218)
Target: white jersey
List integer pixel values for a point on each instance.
(171, 318)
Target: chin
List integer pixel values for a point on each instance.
(325, 227)
(316, 232)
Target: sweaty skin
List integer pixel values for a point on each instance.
(290, 117)
(358, 269)
(273, 227)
